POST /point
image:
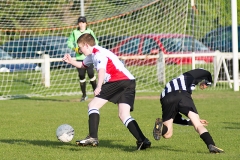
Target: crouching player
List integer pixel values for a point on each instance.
(175, 98)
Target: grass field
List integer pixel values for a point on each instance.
(28, 129)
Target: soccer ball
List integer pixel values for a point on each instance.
(65, 133)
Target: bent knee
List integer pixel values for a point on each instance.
(168, 135)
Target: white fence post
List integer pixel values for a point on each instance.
(193, 60)
(216, 64)
(161, 68)
(46, 70)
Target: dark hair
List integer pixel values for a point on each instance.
(82, 19)
(86, 39)
(207, 83)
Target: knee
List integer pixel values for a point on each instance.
(92, 79)
(168, 135)
(82, 80)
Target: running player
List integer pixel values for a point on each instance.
(115, 84)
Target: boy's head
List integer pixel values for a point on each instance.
(82, 19)
(204, 84)
(85, 42)
(82, 23)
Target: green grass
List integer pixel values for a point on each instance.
(28, 129)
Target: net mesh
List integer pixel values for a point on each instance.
(26, 24)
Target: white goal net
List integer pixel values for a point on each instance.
(138, 31)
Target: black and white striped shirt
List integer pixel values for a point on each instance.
(187, 81)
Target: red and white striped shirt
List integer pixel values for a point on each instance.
(103, 58)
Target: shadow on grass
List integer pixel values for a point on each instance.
(232, 125)
(133, 147)
(56, 144)
(166, 148)
(34, 142)
(103, 144)
(24, 97)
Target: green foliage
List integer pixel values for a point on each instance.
(16, 16)
(28, 129)
(33, 16)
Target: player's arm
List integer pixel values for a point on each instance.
(67, 58)
(70, 41)
(101, 75)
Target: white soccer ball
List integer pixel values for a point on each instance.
(65, 133)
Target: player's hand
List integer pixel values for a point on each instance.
(97, 91)
(67, 58)
(204, 122)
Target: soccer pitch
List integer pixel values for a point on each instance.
(28, 129)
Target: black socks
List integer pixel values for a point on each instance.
(83, 88)
(93, 124)
(136, 131)
(94, 84)
(206, 137)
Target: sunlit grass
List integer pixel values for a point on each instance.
(28, 129)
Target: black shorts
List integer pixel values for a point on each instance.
(177, 101)
(119, 92)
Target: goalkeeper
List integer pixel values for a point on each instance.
(175, 98)
(72, 43)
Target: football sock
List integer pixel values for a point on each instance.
(134, 129)
(206, 137)
(94, 84)
(93, 122)
(164, 129)
(83, 88)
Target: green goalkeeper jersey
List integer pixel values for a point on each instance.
(72, 41)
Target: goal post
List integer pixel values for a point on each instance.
(235, 44)
(25, 25)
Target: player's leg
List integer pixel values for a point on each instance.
(92, 77)
(126, 102)
(133, 127)
(164, 127)
(203, 132)
(93, 122)
(181, 121)
(188, 108)
(82, 80)
(198, 126)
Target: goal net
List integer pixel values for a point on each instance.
(138, 31)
